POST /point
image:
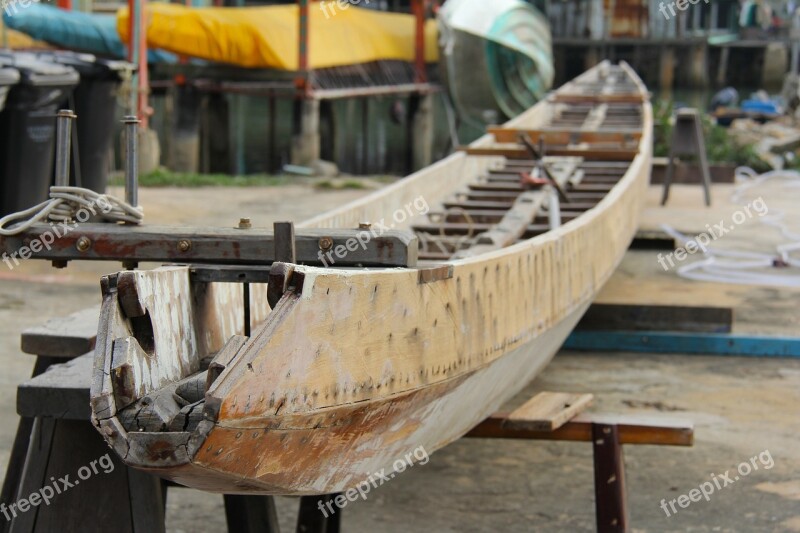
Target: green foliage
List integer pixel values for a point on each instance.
(336, 185)
(721, 147)
(166, 178)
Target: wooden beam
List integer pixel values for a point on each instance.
(66, 337)
(510, 228)
(617, 317)
(565, 136)
(591, 152)
(166, 244)
(548, 411)
(632, 430)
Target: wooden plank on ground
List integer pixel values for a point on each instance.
(549, 410)
(684, 343)
(618, 317)
(632, 429)
(67, 337)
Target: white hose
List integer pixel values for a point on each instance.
(733, 266)
(64, 205)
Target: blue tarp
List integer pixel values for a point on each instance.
(85, 32)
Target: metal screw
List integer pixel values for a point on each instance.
(83, 244)
(244, 223)
(364, 225)
(184, 245)
(325, 244)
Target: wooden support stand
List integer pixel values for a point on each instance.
(552, 416)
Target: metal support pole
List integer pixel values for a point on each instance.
(418, 8)
(137, 54)
(131, 160)
(609, 480)
(63, 145)
(302, 80)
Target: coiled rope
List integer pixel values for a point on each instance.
(746, 267)
(64, 205)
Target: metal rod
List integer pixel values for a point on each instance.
(131, 160)
(63, 146)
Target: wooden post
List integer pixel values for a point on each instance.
(609, 480)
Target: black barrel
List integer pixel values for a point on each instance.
(8, 78)
(94, 101)
(28, 129)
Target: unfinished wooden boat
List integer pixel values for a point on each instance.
(347, 370)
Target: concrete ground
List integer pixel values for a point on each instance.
(741, 407)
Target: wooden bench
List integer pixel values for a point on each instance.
(54, 406)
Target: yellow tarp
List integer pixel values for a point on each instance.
(18, 40)
(267, 37)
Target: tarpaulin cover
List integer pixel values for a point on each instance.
(267, 37)
(17, 40)
(94, 33)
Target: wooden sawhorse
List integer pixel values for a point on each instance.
(55, 438)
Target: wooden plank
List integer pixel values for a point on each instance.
(510, 228)
(572, 98)
(165, 244)
(632, 430)
(548, 411)
(617, 317)
(590, 152)
(684, 343)
(68, 337)
(62, 391)
(566, 136)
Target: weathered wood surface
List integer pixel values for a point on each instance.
(548, 411)
(62, 391)
(353, 368)
(562, 136)
(111, 242)
(65, 337)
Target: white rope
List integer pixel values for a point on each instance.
(746, 267)
(64, 205)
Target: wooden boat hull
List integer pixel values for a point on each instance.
(298, 456)
(352, 369)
